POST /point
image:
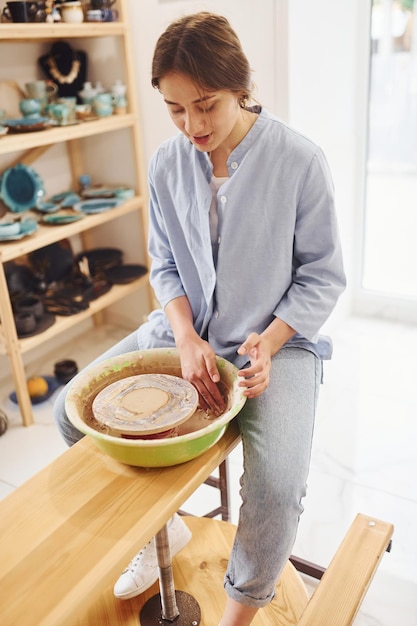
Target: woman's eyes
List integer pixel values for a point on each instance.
(200, 109)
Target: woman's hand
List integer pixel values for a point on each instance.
(198, 366)
(255, 378)
(198, 360)
(260, 350)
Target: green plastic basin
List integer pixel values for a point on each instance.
(195, 436)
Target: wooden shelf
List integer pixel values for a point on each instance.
(46, 235)
(47, 32)
(64, 323)
(14, 142)
(29, 146)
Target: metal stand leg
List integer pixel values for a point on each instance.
(168, 605)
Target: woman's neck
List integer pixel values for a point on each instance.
(220, 155)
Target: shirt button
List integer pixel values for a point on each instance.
(216, 314)
(223, 199)
(218, 239)
(234, 165)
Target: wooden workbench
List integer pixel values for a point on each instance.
(68, 532)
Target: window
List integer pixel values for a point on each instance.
(390, 224)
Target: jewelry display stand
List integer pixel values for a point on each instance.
(67, 67)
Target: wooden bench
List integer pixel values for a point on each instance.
(68, 532)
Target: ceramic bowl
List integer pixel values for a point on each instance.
(196, 435)
(9, 228)
(65, 370)
(82, 111)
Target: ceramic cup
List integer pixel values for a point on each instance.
(103, 104)
(25, 322)
(70, 102)
(20, 11)
(72, 12)
(88, 93)
(65, 370)
(30, 107)
(82, 111)
(101, 4)
(42, 90)
(59, 112)
(31, 304)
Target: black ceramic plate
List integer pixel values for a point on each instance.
(101, 259)
(47, 320)
(125, 273)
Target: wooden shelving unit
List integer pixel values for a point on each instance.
(26, 148)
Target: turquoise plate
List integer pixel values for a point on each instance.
(56, 220)
(99, 205)
(21, 188)
(28, 124)
(48, 207)
(66, 198)
(27, 227)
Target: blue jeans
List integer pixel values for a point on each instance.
(277, 430)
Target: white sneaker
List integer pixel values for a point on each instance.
(142, 571)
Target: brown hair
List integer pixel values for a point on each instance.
(204, 47)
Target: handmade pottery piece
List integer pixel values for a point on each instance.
(20, 11)
(72, 12)
(30, 107)
(9, 228)
(43, 90)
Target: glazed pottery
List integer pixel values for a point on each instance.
(72, 12)
(20, 11)
(30, 107)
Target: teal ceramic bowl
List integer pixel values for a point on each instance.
(195, 436)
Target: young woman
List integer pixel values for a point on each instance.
(246, 263)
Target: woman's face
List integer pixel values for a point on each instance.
(209, 119)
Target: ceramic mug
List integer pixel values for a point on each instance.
(103, 104)
(88, 93)
(23, 11)
(72, 12)
(42, 90)
(30, 107)
(101, 4)
(71, 102)
(59, 112)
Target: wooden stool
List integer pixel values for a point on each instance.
(220, 482)
(200, 567)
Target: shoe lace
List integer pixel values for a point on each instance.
(135, 561)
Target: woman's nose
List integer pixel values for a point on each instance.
(194, 124)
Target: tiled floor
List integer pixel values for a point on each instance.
(364, 456)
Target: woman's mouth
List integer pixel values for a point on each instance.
(201, 141)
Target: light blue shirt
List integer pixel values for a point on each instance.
(279, 252)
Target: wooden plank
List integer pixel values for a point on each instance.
(199, 570)
(68, 532)
(340, 593)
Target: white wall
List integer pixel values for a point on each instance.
(328, 83)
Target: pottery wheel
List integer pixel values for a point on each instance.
(145, 404)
